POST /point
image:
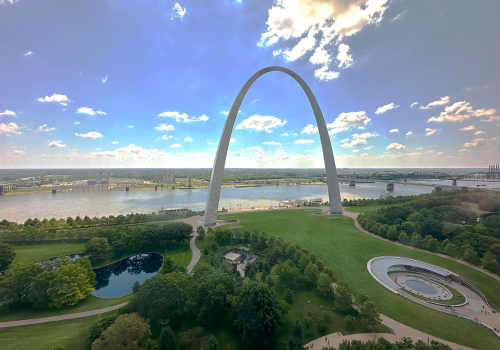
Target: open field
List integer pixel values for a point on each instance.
(39, 251)
(72, 334)
(340, 245)
(366, 209)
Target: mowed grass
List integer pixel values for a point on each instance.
(72, 334)
(340, 245)
(366, 209)
(39, 251)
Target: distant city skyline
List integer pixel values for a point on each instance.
(87, 84)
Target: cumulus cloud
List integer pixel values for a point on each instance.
(189, 139)
(386, 108)
(491, 119)
(356, 142)
(236, 153)
(90, 135)
(441, 102)
(57, 144)
(62, 99)
(414, 105)
(115, 142)
(29, 53)
(178, 12)
(345, 140)
(309, 129)
(165, 127)
(301, 21)
(459, 112)
(211, 149)
(272, 143)
(105, 79)
(257, 149)
(346, 121)
(476, 142)
(369, 147)
(182, 117)
(409, 134)
(394, 130)
(11, 128)
(89, 111)
(45, 128)
(302, 141)
(429, 132)
(7, 112)
(175, 145)
(164, 137)
(365, 135)
(395, 146)
(479, 133)
(261, 123)
(468, 128)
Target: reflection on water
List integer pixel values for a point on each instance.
(116, 280)
(104, 203)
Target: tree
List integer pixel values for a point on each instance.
(452, 250)
(361, 298)
(257, 315)
(471, 256)
(99, 326)
(392, 233)
(200, 231)
(288, 295)
(284, 307)
(167, 339)
(16, 282)
(329, 272)
(370, 314)
(349, 322)
(97, 248)
(490, 262)
(297, 329)
(212, 343)
(128, 332)
(269, 281)
(70, 284)
(324, 284)
(311, 273)
(168, 264)
(7, 255)
(308, 323)
(136, 286)
(343, 297)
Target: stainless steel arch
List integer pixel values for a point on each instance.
(212, 204)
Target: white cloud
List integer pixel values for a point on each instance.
(356, 151)
(7, 112)
(345, 60)
(386, 108)
(29, 53)
(45, 128)
(357, 142)
(369, 147)
(284, 134)
(189, 139)
(129, 126)
(401, 15)
(105, 79)
(429, 132)
(16, 152)
(459, 112)
(468, 128)
(182, 117)
(57, 144)
(62, 99)
(77, 123)
(10, 128)
(272, 143)
(260, 123)
(225, 112)
(175, 145)
(302, 141)
(345, 121)
(365, 135)
(90, 135)
(276, 52)
(115, 142)
(231, 140)
(164, 137)
(476, 142)
(479, 133)
(165, 127)
(394, 130)
(181, 153)
(304, 45)
(491, 119)
(178, 12)
(345, 140)
(89, 111)
(395, 146)
(409, 134)
(324, 74)
(257, 149)
(414, 105)
(320, 56)
(309, 129)
(236, 153)
(441, 102)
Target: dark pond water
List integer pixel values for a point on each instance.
(116, 280)
(421, 287)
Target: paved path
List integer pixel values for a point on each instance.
(193, 221)
(60, 317)
(399, 329)
(358, 225)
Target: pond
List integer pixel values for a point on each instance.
(116, 280)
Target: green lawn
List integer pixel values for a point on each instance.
(475, 208)
(39, 251)
(72, 334)
(340, 245)
(365, 209)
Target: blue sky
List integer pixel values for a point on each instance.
(145, 83)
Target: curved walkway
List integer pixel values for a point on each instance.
(354, 216)
(59, 317)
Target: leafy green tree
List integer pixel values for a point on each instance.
(392, 233)
(168, 264)
(136, 286)
(361, 298)
(403, 237)
(70, 284)
(370, 314)
(311, 273)
(471, 256)
(128, 332)
(257, 315)
(490, 262)
(329, 272)
(213, 297)
(324, 284)
(99, 326)
(297, 329)
(288, 295)
(200, 231)
(167, 339)
(349, 322)
(212, 343)
(343, 297)
(269, 281)
(284, 307)
(7, 255)
(308, 322)
(452, 250)
(97, 248)
(223, 237)
(16, 282)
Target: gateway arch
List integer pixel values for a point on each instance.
(212, 204)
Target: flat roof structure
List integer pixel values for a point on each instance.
(232, 256)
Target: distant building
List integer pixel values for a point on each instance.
(164, 178)
(91, 182)
(232, 258)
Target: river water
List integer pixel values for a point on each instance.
(104, 203)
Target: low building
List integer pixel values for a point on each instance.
(232, 258)
(164, 178)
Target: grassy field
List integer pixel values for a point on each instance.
(475, 208)
(340, 245)
(72, 334)
(366, 209)
(39, 251)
